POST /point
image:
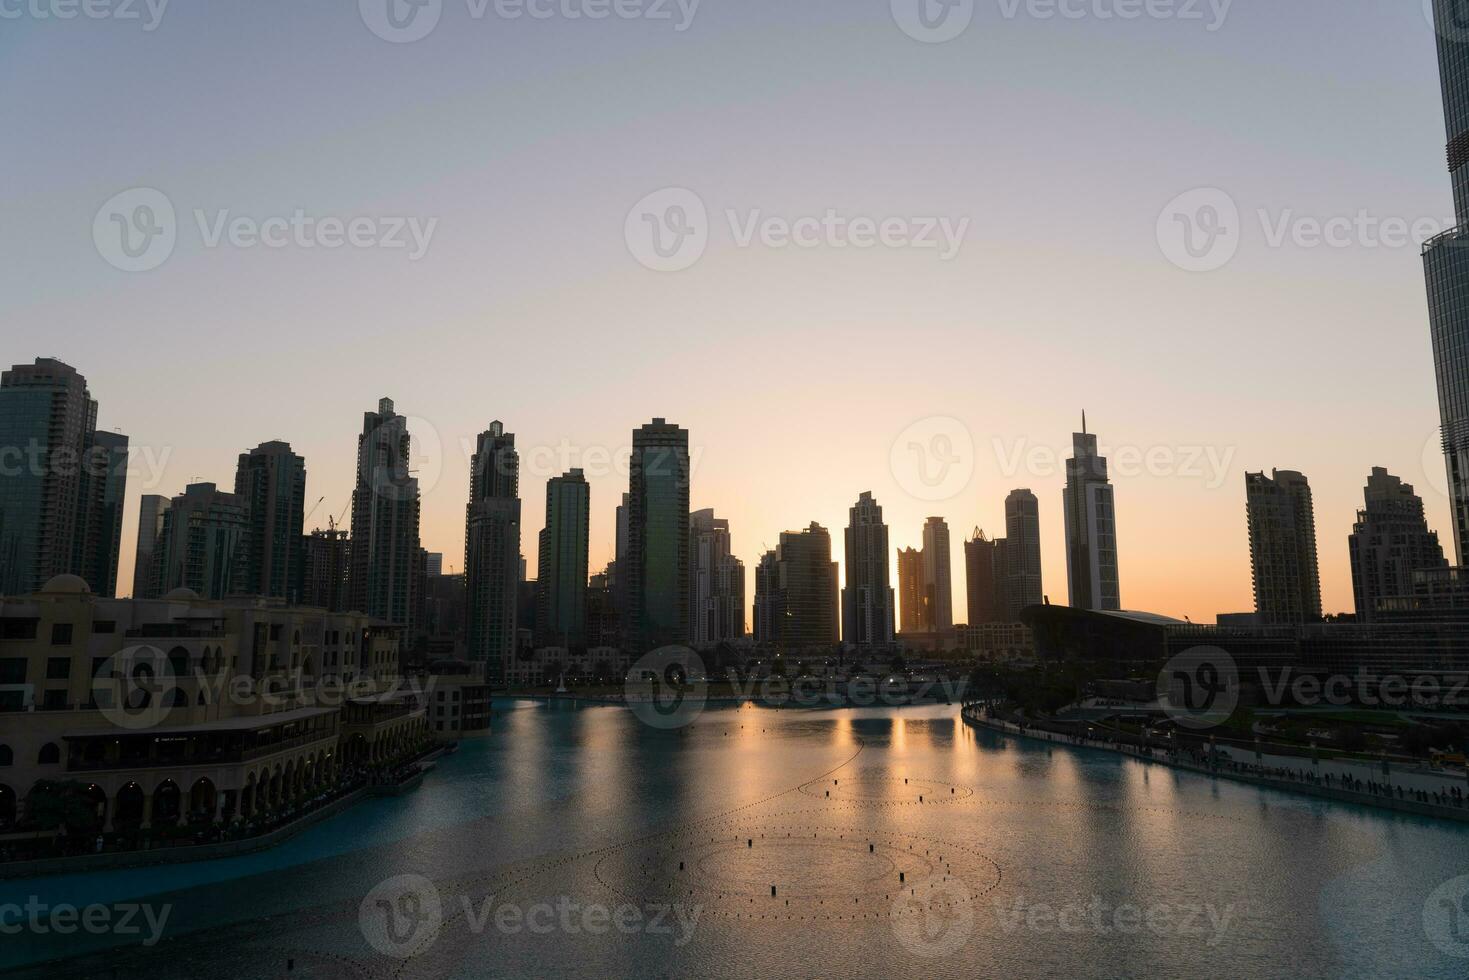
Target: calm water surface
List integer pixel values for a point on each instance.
(1017, 859)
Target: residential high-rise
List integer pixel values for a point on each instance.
(327, 561)
(1091, 527)
(1023, 587)
(385, 521)
(717, 586)
(492, 553)
(205, 543)
(561, 575)
(938, 576)
(796, 592)
(980, 579)
(912, 596)
(1389, 543)
(1446, 269)
(435, 564)
(104, 490)
(657, 580)
(867, 601)
(150, 527)
(1282, 524)
(272, 480)
(60, 511)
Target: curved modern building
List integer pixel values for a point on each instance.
(1446, 266)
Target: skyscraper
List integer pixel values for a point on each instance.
(912, 596)
(1389, 542)
(1022, 554)
(1091, 527)
(492, 553)
(150, 527)
(561, 576)
(980, 579)
(1282, 524)
(60, 510)
(717, 588)
(657, 580)
(104, 491)
(867, 601)
(205, 543)
(938, 576)
(327, 557)
(796, 592)
(1446, 269)
(272, 481)
(384, 520)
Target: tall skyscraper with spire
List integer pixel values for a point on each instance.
(385, 506)
(867, 601)
(492, 552)
(1446, 268)
(657, 580)
(1091, 527)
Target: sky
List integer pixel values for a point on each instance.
(1129, 205)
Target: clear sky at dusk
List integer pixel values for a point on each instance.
(1061, 141)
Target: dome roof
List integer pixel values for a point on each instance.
(182, 594)
(66, 585)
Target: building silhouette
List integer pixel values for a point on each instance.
(492, 570)
(717, 587)
(912, 594)
(327, 569)
(981, 579)
(61, 507)
(561, 576)
(938, 576)
(1282, 525)
(151, 509)
(796, 592)
(271, 479)
(657, 580)
(204, 545)
(867, 601)
(1091, 527)
(1021, 554)
(385, 504)
(1389, 545)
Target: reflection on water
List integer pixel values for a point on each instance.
(866, 842)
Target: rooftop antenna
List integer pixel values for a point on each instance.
(1083, 421)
